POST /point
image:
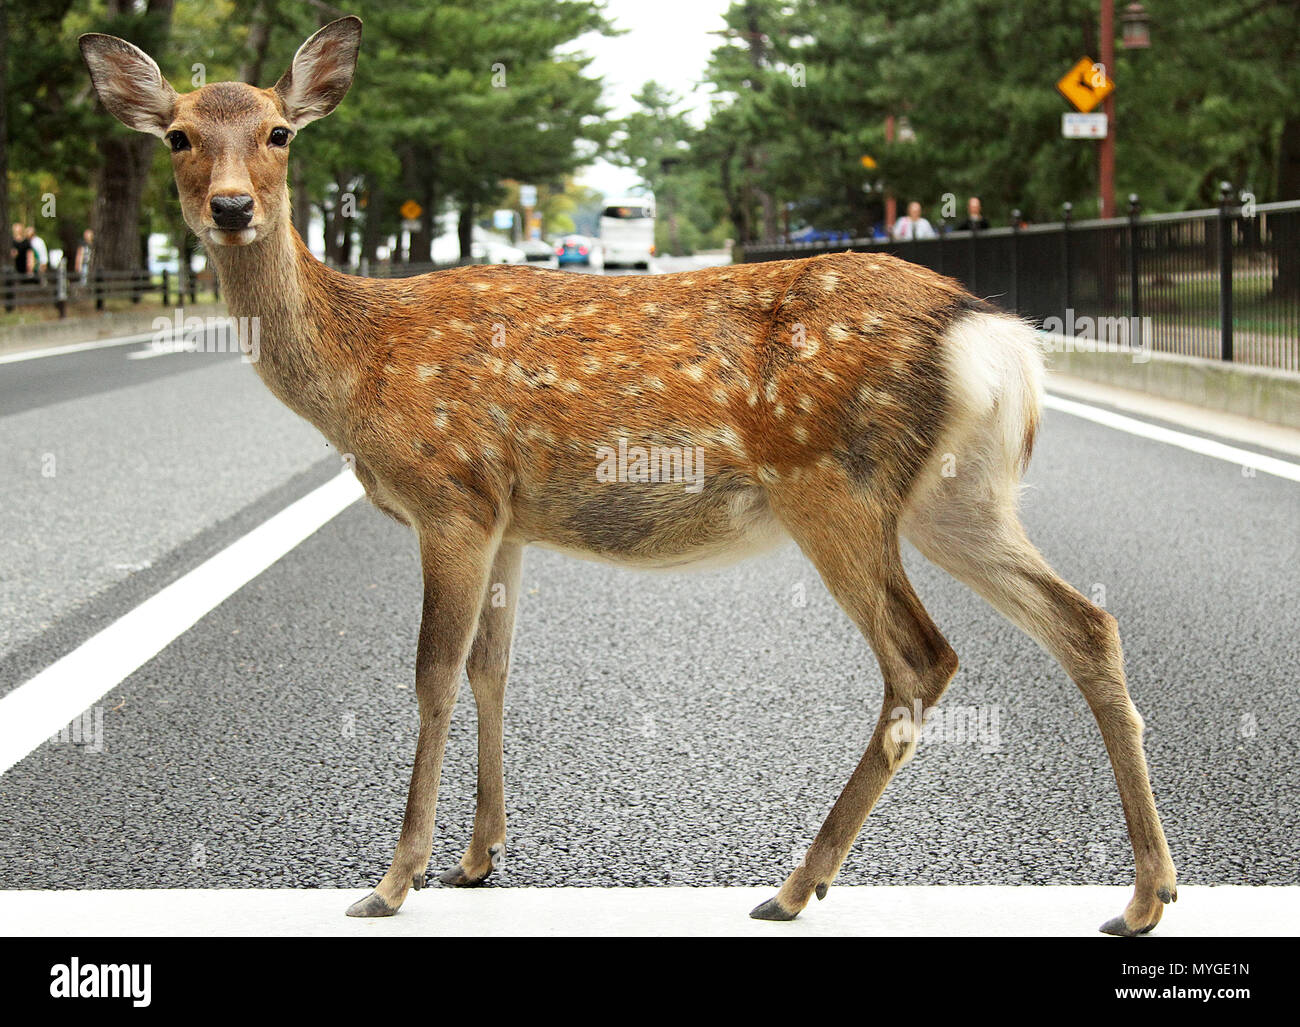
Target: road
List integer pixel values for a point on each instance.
(662, 730)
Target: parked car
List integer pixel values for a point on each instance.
(484, 245)
(537, 251)
(575, 249)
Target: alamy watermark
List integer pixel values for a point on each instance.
(181, 334)
(1080, 333)
(638, 464)
(950, 725)
(86, 731)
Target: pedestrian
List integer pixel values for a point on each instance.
(21, 251)
(913, 226)
(975, 219)
(40, 253)
(85, 252)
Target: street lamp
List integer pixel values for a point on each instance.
(1135, 26)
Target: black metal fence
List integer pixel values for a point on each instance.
(1220, 283)
(61, 287)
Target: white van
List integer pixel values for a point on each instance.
(627, 231)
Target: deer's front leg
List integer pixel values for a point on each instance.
(455, 576)
(488, 668)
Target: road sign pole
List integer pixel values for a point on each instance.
(1107, 152)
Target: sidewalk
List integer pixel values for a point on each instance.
(950, 911)
(139, 320)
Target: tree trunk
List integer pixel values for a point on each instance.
(119, 193)
(4, 128)
(465, 229)
(125, 160)
(370, 227)
(259, 40)
(300, 201)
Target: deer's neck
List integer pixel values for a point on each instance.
(314, 325)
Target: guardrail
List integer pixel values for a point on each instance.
(1222, 283)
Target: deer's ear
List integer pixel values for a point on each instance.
(321, 72)
(129, 83)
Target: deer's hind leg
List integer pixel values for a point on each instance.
(488, 667)
(967, 524)
(853, 543)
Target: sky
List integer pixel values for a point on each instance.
(666, 40)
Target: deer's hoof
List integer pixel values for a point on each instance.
(772, 910)
(373, 904)
(459, 877)
(1120, 929)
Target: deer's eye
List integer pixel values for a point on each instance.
(178, 141)
(279, 137)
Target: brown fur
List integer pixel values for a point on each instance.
(823, 394)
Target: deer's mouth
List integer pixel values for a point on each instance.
(232, 236)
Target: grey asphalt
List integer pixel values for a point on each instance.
(661, 729)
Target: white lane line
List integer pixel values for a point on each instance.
(149, 352)
(76, 347)
(1206, 447)
(42, 706)
(951, 910)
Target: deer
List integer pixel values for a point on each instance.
(846, 401)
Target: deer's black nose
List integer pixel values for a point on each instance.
(232, 212)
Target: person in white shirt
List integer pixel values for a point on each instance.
(913, 226)
(40, 255)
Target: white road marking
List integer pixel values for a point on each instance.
(76, 347)
(151, 351)
(39, 708)
(1206, 447)
(955, 910)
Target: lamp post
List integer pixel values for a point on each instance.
(1107, 153)
(1135, 26)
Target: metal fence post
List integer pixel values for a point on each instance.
(61, 287)
(1067, 209)
(1134, 269)
(1015, 260)
(99, 289)
(167, 287)
(1227, 213)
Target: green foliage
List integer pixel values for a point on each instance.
(804, 89)
(657, 141)
(450, 99)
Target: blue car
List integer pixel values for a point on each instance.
(574, 249)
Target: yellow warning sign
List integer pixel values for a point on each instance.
(1085, 85)
(411, 210)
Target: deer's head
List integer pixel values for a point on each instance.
(229, 141)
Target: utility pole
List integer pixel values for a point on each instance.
(891, 202)
(1107, 151)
